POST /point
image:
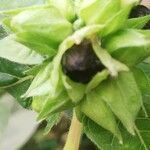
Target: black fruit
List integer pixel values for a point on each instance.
(80, 62)
(140, 11)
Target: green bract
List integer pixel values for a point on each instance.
(89, 10)
(31, 69)
(66, 7)
(38, 29)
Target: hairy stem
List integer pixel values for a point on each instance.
(74, 135)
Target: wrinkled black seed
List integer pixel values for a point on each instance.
(139, 11)
(80, 62)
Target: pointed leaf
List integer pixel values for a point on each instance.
(145, 67)
(17, 91)
(12, 68)
(123, 97)
(142, 80)
(98, 135)
(10, 72)
(116, 22)
(40, 27)
(96, 109)
(34, 70)
(107, 9)
(105, 140)
(113, 65)
(43, 46)
(16, 52)
(126, 39)
(140, 140)
(51, 121)
(41, 85)
(38, 102)
(66, 7)
(96, 80)
(137, 23)
(7, 79)
(122, 46)
(75, 90)
(54, 105)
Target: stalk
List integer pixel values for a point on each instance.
(74, 135)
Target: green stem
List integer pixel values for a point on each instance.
(18, 82)
(144, 110)
(74, 135)
(140, 137)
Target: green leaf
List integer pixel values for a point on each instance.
(125, 39)
(17, 91)
(13, 4)
(16, 52)
(10, 72)
(142, 80)
(7, 79)
(137, 23)
(34, 70)
(37, 43)
(123, 97)
(51, 121)
(96, 109)
(97, 134)
(135, 142)
(39, 29)
(75, 90)
(105, 140)
(125, 3)
(41, 85)
(113, 65)
(145, 66)
(96, 80)
(140, 140)
(106, 9)
(66, 7)
(54, 105)
(122, 46)
(12, 68)
(146, 103)
(38, 102)
(116, 22)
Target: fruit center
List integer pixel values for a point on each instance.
(80, 62)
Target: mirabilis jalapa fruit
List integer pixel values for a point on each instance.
(89, 49)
